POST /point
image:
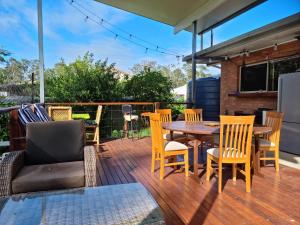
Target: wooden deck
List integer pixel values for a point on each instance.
(274, 199)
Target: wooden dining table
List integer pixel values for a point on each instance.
(200, 129)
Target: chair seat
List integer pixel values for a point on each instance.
(49, 177)
(215, 152)
(176, 135)
(266, 143)
(131, 117)
(175, 146)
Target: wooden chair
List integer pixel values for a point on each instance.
(162, 151)
(234, 148)
(195, 115)
(270, 141)
(166, 117)
(60, 113)
(93, 129)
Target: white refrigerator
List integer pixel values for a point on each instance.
(289, 103)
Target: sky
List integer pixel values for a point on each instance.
(68, 34)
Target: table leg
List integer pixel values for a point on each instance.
(256, 156)
(196, 144)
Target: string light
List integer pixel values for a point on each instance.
(101, 22)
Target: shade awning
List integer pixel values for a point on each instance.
(282, 31)
(181, 14)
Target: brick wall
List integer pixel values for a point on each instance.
(230, 79)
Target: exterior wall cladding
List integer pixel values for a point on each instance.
(230, 70)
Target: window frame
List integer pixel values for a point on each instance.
(254, 64)
(268, 62)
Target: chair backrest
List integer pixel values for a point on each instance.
(165, 115)
(156, 133)
(127, 109)
(274, 120)
(98, 114)
(193, 115)
(60, 113)
(235, 137)
(54, 142)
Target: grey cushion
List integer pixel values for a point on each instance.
(54, 142)
(49, 177)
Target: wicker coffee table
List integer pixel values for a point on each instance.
(114, 204)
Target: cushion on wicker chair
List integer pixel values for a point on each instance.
(41, 113)
(175, 146)
(54, 142)
(49, 177)
(26, 115)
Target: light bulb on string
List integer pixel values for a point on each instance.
(116, 36)
(86, 18)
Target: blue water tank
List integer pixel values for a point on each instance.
(207, 97)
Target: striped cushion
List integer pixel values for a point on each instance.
(41, 113)
(26, 115)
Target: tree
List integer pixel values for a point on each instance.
(3, 54)
(84, 80)
(149, 86)
(18, 71)
(201, 71)
(144, 65)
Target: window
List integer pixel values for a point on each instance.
(264, 76)
(253, 78)
(280, 67)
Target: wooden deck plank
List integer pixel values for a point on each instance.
(274, 198)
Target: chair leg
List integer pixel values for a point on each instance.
(162, 169)
(277, 160)
(97, 135)
(153, 162)
(220, 178)
(208, 168)
(248, 177)
(186, 163)
(234, 169)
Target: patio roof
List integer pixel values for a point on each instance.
(282, 31)
(181, 14)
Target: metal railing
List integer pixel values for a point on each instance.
(112, 120)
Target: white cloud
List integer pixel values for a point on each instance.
(102, 48)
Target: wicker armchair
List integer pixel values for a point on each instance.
(55, 158)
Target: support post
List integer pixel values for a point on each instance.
(41, 51)
(211, 38)
(194, 45)
(32, 88)
(201, 41)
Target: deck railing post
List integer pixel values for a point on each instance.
(194, 45)
(41, 50)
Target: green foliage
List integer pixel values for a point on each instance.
(3, 54)
(82, 81)
(4, 119)
(178, 76)
(149, 86)
(18, 71)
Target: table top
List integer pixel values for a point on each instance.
(202, 128)
(114, 204)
